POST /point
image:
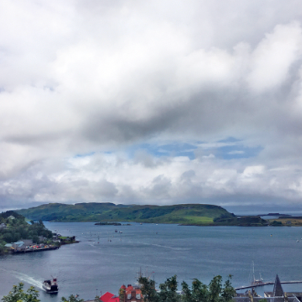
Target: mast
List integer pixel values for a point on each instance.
(254, 279)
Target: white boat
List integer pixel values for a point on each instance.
(256, 281)
(51, 286)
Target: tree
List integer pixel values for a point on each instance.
(17, 294)
(122, 294)
(148, 289)
(198, 293)
(186, 292)
(72, 298)
(36, 239)
(228, 291)
(215, 292)
(168, 290)
(215, 289)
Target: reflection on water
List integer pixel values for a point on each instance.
(105, 259)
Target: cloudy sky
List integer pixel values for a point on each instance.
(151, 102)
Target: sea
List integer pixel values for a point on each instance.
(107, 257)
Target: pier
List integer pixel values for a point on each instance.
(267, 283)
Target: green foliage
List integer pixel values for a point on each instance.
(215, 289)
(228, 291)
(215, 292)
(17, 294)
(18, 229)
(276, 223)
(168, 290)
(36, 239)
(199, 292)
(72, 298)
(148, 289)
(241, 221)
(121, 294)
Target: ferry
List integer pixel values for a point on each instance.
(51, 286)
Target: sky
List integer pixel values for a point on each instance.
(151, 102)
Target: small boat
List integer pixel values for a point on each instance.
(51, 286)
(256, 281)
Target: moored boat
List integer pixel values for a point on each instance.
(256, 281)
(51, 286)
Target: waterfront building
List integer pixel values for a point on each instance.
(131, 293)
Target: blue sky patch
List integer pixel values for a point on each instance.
(169, 150)
(228, 149)
(231, 148)
(84, 154)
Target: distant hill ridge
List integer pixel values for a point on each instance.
(195, 214)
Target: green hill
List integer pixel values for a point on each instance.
(194, 214)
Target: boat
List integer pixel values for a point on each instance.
(255, 281)
(51, 286)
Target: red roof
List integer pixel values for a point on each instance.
(114, 299)
(106, 297)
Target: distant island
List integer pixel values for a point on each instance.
(105, 213)
(108, 223)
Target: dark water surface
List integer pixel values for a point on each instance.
(104, 259)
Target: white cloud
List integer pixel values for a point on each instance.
(253, 171)
(98, 78)
(272, 59)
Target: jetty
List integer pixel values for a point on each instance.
(267, 283)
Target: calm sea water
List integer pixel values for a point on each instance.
(104, 259)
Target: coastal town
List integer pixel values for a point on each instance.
(133, 293)
(28, 246)
(20, 236)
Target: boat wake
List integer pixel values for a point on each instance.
(27, 279)
(172, 248)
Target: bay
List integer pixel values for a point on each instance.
(105, 259)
